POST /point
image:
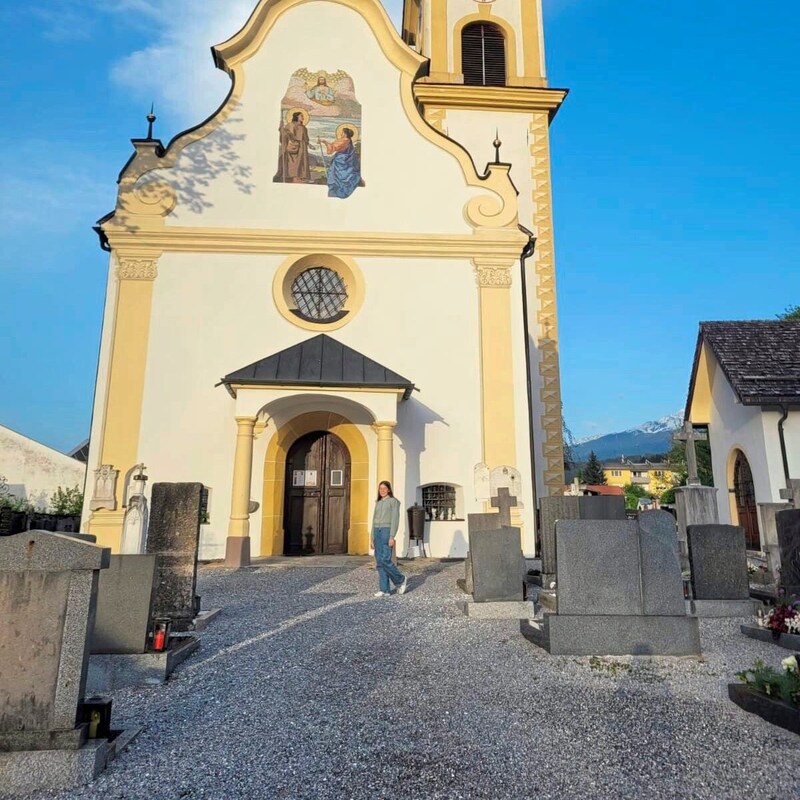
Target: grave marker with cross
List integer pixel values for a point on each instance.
(689, 435)
(504, 502)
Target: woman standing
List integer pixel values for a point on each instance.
(385, 522)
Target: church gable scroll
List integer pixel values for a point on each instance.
(320, 132)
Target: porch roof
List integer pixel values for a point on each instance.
(319, 361)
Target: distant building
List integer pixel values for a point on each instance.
(34, 471)
(745, 388)
(654, 477)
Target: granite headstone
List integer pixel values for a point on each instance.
(662, 585)
(788, 523)
(476, 523)
(718, 558)
(174, 535)
(605, 506)
(48, 589)
(124, 604)
(552, 509)
(497, 565)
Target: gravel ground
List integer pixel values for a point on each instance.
(307, 687)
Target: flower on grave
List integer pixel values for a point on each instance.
(790, 664)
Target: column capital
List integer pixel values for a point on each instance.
(246, 422)
(137, 269)
(384, 424)
(492, 274)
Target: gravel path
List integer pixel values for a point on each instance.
(307, 687)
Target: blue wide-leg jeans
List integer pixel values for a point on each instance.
(383, 558)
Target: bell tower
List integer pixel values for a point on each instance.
(487, 89)
(478, 42)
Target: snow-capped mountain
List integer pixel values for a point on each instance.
(649, 437)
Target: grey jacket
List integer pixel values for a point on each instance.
(387, 515)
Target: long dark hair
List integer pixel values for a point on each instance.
(388, 486)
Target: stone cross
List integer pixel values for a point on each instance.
(689, 435)
(504, 502)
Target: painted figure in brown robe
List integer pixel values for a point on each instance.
(293, 165)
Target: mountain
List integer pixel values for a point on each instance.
(647, 438)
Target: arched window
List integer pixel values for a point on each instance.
(483, 55)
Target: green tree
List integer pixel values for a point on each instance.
(791, 313)
(68, 502)
(593, 471)
(676, 458)
(632, 494)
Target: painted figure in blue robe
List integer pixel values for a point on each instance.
(344, 171)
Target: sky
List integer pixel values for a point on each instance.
(675, 172)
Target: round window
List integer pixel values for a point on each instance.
(319, 295)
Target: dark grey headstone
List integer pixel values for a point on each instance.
(48, 586)
(718, 558)
(496, 565)
(662, 583)
(788, 523)
(598, 567)
(124, 604)
(552, 509)
(173, 534)
(475, 524)
(607, 506)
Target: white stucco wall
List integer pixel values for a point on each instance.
(733, 426)
(33, 470)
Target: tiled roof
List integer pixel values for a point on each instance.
(760, 359)
(321, 361)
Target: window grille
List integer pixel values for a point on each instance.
(483, 55)
(319, 295)
(439, 501)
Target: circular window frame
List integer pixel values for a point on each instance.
(291, 268)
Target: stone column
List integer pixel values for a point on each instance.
(237, 550)
(385, 431)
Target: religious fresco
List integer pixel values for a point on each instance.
(320, 132)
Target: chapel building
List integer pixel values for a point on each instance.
(345, 275)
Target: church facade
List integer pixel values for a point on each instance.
(345, 275)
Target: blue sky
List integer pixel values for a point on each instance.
(675, 170)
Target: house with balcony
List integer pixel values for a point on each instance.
(654, 477)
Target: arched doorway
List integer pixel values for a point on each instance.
(316, 508)
(745, 496)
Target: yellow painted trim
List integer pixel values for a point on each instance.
(125, 387)
(496, 98)
(533, 42)
(497, 367)
(495, 242)
(509, 37)
(347, 269)
(275, 478)
(239, 521)
(730, 485)
(293, 387)
(700, 402)
(385, 465)
(546, 315)
(440, 62)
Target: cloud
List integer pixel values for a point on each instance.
(175, 68)
(66, 23)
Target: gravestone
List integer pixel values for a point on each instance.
(174, 536)
(604, 506)
(694, 505)
(124, 604)
(718, 559)
(662, 584)
(497, 565)
(552, 509)
(48, 588)
(769, 528)
(476, 523)
(619, 591)
(788, 523)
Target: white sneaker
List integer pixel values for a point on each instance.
(381, 594)
(401, 589)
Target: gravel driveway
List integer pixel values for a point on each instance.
(307, 687)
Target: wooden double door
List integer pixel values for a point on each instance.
(745, 494)
(316, 514)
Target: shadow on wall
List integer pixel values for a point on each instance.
(202, 162)
(413, 417)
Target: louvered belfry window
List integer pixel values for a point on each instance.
(483, 55)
